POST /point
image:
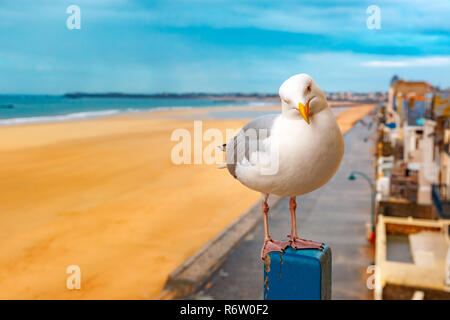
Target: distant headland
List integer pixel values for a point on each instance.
(369, 97)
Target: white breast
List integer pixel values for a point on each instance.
(302, 157)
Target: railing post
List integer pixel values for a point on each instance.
(298, 275)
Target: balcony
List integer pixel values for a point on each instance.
(404, 186)
(441, 200)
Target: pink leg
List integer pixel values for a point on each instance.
(296, 242)
(269, 244)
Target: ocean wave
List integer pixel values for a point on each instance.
(105, 113)
(169, 108)
(61, 118)
(259, 103)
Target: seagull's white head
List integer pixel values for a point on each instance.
(301, 97)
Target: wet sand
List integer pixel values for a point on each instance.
(104, 194)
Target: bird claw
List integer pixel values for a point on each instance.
(298, 243)
(273, 245)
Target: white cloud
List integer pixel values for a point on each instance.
(433, 61)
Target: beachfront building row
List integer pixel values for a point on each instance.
(357, 97)
(413, 193)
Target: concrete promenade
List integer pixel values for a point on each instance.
(336, 214)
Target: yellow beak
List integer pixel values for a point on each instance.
(304, 111)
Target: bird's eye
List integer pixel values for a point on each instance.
(308, 88)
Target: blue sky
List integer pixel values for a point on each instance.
(219, 46)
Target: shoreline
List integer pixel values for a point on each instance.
(103, 194)
(105, 113)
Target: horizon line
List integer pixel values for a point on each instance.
(193, 93)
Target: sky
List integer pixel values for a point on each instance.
(219, 46)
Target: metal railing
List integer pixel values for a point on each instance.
(441, 199)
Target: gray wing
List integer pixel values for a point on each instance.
(247, 140)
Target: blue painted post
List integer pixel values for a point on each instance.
(298, 275)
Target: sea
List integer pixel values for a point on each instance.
(26, 109)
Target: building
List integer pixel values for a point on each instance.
(400, 89)
(413, 200)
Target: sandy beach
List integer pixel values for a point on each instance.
(104, 194)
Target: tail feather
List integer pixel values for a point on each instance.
(222, 147)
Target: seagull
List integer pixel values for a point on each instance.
(288, 154)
